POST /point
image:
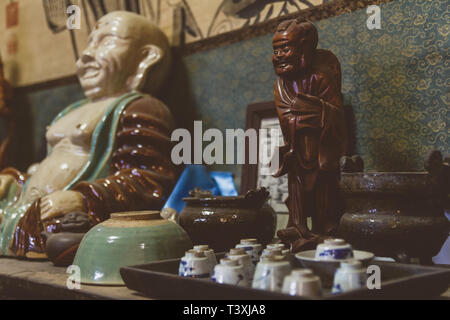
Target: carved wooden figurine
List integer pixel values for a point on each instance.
(108, 153)
(309, 105)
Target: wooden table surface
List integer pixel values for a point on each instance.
(20, 279)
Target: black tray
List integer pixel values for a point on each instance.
(160, 280)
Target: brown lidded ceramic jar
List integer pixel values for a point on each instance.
(222, 222)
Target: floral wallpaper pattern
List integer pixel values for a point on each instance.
(397, 81)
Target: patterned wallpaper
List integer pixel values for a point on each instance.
(395, 80)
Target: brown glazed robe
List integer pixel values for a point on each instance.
(314, 143)
(141, 175)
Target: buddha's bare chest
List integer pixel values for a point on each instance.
(70, 139)
(77, 126)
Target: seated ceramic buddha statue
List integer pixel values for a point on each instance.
(108, 153)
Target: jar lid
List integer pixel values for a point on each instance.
(276, 246)
(335, 242)
(229, 262)
(249, 241)
(136, 215)
(237, 251)
(194, 253)
(201, 247)
(274, 252)
(302, 272)
(274, 258)
(351, 265)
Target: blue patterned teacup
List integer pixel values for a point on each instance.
(351, 275)
(195, 265)
(302, 282)
(252, 247)
(270, 273)
(229, 271)
(209, 254)
(334, 249)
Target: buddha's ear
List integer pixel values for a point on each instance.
(150, 56)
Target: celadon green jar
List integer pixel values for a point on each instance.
(126, 239)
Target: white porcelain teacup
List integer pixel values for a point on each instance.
(209, 253)
(252, 247)
(229, 271)
(195, 264)
(351, 275)
(334, 249)
(243, 258)
(302, 282)
(270, 273)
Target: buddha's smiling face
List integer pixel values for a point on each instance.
(109, 60)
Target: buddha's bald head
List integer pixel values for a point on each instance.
(126, 52)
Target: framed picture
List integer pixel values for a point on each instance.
(263, 116)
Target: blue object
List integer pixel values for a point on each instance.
(225, 183)
(337, 253)
(443, 257)
(197, 176)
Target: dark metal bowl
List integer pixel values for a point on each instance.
(395, 214)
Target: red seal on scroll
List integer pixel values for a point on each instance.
(12, 15)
